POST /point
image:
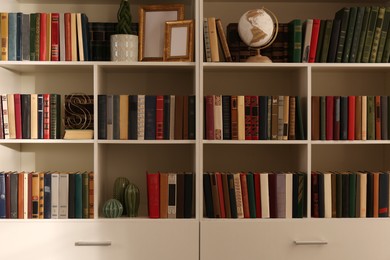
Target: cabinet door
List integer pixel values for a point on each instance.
(348, 239)
(99, 240)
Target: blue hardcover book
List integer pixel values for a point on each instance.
(102, 116)
(14, 180)
(150, 117)
(40, 116)
(47, 195)
(2, 195)
(12, 32)
(166, 117)
(78, 205)
(133, 122)
(84, 25)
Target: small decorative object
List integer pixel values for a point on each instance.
(179, 41)
(132, 199)
(112, 208)
(124, 45)
(120, 185)
(78, 116)
(258, 29)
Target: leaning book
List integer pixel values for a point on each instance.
(78, 116)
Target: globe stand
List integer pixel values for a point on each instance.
(259, 58)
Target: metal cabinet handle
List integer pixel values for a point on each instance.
(310, 242)
(85, 243)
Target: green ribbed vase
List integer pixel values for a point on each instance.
(112, 208)
(132, 199)
(120, 185)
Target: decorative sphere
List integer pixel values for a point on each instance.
(112, 208)
(256, 28)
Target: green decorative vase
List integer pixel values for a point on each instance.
(120, 185)
(112, 208)
(132, 199)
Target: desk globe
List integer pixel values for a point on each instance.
(258, 29)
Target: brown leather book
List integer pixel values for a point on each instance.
(214, 193)
(376, 194)
(164, 195)
(358, 118)
(274, 117)
(226, 196)
(223, 41)
(245, 198)
(179, 117)
(234, 117)
(315, 118)
(21, 195)
(123, 117)
(213, 39)
(68, 37)
(29, 194)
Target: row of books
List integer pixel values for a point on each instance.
(44, 37)
(171, 195)
(356, 34)
(360, 194)
(253, 118)
(350, 118)
(146, 117)
(26, 195)
(254, 195)
(30, 116)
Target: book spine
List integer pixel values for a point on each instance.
(349, 34)
(4, 36)
(356, 35)
(141, 117)
(351, 117)
(314, 40)
(286, 109)
(178, 126)
(213, 39)
(364, 117)
(55, 37)
(55, 116)
(234, 117)
(25, 37)
(263, 117)
(12, 36)
(150, 117)
(343, 118)
(222, 40)
(209, 106)
(102, 116)
(370, 118)
(241, 117)
(383, 35)
(68, 37)
(47, 196)
(248, 118)
(46, 116)
(26, 116)
(377, 34)
(280, 117)
(218, 124)
(18, 116)
(159, 118)
(295, 40)
(226, 117)
(254, 100)
(4, 102)
(206, 40)
(343, 14)
(133, 107)
(123, 117)
(33, 24)
(166, 117)
(42, 35)
(384, 118)
(62, 52)
(378, 118)
(238, 195)
(370, 34)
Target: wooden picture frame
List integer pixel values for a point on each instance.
(152, 20)
(179, 41)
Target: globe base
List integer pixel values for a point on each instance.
(259, 58)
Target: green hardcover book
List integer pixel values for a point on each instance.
(370, 118)
(85, 195)
(377, 34)
(384, 33)
(299, 127)
(78, 208)
(295, 40)
(343, 15)
(251, 194)
(363, 33)
(301, 194)
(349, 35)
(352, 195)
(55, 116)
(322, 118)
(320, 41)
(339, 195)
(326, 41)
(37, 35)
(356, 34)
(370, 34)
(386, 51)
(33, 24)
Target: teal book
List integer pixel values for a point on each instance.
(383, 36)
(370, 34)
(343, 15)
(78, 208)
(370, 118)
(326, 40)
(349, 35)
(363, 33)
(320, 41)
(356, 34)
(377, 34)
(251, 194)
(12, 34)
(322, 118)
(295, 40)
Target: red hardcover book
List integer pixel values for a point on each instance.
(329, 117)
(245, 198)
(209, 101)
(351, 117)
(378, 118)
(18, 116)
(55, 36)
(153, 186)
(220, 194)
(314, 39)
(256, 178)
(68, 37)
(29, 213)
(159, 117)
(336, 120)
(248, 118)
(42, 37)
(46, 116)
(255, 117)
(7, 195)
(21, 195)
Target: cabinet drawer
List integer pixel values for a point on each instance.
(99, 240)
(322, 239)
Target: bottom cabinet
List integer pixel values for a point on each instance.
(99, 240)
(273, 239)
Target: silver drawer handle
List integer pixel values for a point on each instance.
(83, 243)
(310, 243)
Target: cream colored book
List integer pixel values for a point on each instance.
(4, 101)
(363, 194)
(218, 117)
(141, 117)
(77, 134)
(80, 37)
(63, 195)
(364, 117)
(73, 32)
(55, 183)
(264, 195)
(11, 116)
(123, 117)
(289, 193)
(241, 117)
(328, 194)
(238, 193)
(213, 36)
(34, 116)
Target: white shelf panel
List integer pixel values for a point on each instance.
(379, 142)
(162, 142)
(45, 141)
(249, 142)
(46, 66)
(299, 1)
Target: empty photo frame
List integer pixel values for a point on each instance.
(179, 41)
